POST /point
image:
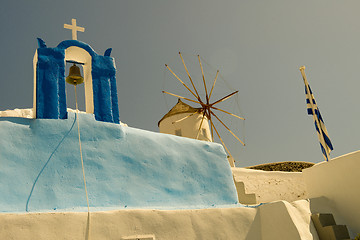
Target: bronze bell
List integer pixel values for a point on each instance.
(74, 77)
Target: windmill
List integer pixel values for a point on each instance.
(208, 108)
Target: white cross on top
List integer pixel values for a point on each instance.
(74, 28)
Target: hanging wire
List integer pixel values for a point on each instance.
(47, 162)
(51, 155)
(235, 102)
(81, 155)
(87, 235)
(236, 97)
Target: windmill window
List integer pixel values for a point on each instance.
(178, 132)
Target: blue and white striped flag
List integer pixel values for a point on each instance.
(312, 109)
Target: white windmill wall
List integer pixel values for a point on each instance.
(188, 127)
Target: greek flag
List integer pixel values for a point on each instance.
(312, 109)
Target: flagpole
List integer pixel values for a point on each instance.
(302, 70)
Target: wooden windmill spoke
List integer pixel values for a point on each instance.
(181, 81)
(224, 98)
(217, 133)
(184, 118)
(217, 73)
(181, 97)
(192, 83)
(227, 112)
(208, 109)
(227, 127)
(203, 77)
(202, 120)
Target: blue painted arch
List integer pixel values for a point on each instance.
(75, 43)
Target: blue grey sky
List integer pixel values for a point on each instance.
(258, 46)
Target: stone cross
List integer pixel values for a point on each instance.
(74, 28)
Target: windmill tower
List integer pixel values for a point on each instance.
(184, 120)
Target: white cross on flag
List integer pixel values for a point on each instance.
(312, 109)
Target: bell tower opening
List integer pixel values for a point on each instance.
(82, 59)
(74, 73)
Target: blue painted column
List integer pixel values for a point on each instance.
(114, 100)
(104, 88)
(50, 84)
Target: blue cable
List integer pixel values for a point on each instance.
(37, 178)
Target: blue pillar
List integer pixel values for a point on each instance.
(50, 84)
(104, 88)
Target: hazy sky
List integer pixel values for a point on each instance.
(258, 46)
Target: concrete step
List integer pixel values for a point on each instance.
(327, 229)
(339, 231)
(326, 219)
(244, 197)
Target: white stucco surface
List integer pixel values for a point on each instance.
(23, 113)
(274, 221)
(338, 181)
(272, 185)
(29, 113)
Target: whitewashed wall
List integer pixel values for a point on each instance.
(271, 186)
(338, 180)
